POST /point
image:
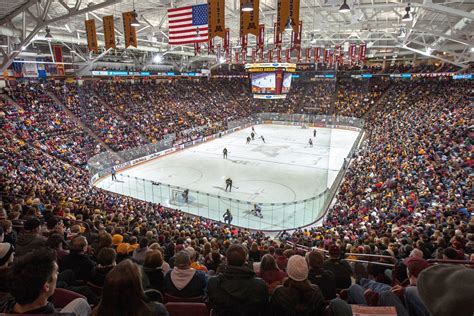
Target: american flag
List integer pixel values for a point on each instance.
(188, 24)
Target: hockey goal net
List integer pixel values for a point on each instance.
(304, 126)
(177, 196)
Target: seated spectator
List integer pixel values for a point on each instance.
(10, 235)
(215, 264)
(297, 296)
(340, 268)
(57, 243)
(193, 255)
(447, 290)
(319, 276)
(281, 259)
(254, 253)
(78, 260)
(237, 291)
(270, 273)
(123, 294)
(153, 270)
(30, 239)
(140, 252)
(184, 281)
(105, 264)
(32, 281)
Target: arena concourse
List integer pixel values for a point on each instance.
(264, 158)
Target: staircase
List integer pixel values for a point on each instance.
(80, 123)
(378, 102)
(5, 97)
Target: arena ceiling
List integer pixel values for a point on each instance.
(439, 29)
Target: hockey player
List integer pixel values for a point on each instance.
(225, 153)
(257, 210)
(248, 140)
(228, 184)
(227, 217)
(114, 174)
(263, 139)
(314, 133)
(253, 130)
(186, 195)
(253, 135)
(310, 142)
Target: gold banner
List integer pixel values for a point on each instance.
(216, 11)
(109, 31)
(283, 13)
(128, 30)
(295, 15)
(249, 20)
(91, 36)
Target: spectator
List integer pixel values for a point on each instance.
(319, 276)
(140, 252)
(105, 264)
(153, 270)
(78, 260)
(270, 273)
(30, 239)
(340, 268)
(123, 294)
(184, 281)
(237, 291)
(32, 281)
(254, 253)
(297, 296)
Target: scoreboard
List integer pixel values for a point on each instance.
(270, 80)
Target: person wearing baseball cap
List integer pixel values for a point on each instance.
(30, 239)
(297, 296)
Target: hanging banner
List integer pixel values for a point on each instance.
(249, 20)
(341, 58)
(261, 37)
(216, 21)
(295, 16)
(316, 55)
(58, 58)
(243, 42)
(337, 51)
(210, 47)
(362, 52)
(270, 55)
(109, 31)
(352, 53)
(261, 55)
(288, 11)
(276, 36)
(308, 55)
(326, 56)
(331, 58)
(237, 54)
(288, 55)
(91, 36)
(244, 56)
(128, 30)
(228, 57)
(227, 41)
(197, 49)
(278, 55)
(254, 56)
(298, 55)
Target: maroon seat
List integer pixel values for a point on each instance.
(170, 298)
(186, 309)
(62, 297)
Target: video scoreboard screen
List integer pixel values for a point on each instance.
(270, 80)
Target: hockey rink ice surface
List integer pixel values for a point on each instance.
(285, 169)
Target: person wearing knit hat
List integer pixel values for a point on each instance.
(297, 296)
(447, 290)
(117, 239)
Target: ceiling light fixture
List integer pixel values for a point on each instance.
(134, 22)
(247, 7)
(289, 25)
(48, 34)
(344, 7)
(407, 17)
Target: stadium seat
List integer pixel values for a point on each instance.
(186, 309)
(170, 298)
(62, 297)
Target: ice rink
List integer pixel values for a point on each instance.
(284, 169)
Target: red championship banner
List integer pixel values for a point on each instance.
(244, 56)
(228, 57)
(243, 42)
(326, 56)
(249, 20)
(298, 55)
(308, 55)
(128, 30)
(227, 41)
(288, 55)
(276, 36)
(331, 58)
(337, 51)
(261, 37)
(352, 53)
(58, 58)
(278, 55)
(270, 55)
(109, 31)
(197, 48)
(216, 20)
(210, 46)
(261, 57)
(341, 58)
(91, 36)
(237, 56)
(296, 37)
(316, 55)
(362, 52)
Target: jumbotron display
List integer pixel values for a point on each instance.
(270, 80)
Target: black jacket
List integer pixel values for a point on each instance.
(28, 242)
(325, 280)
(8, 302)
(156, 278)
(81, 264)
(342, 272)
(287, 301)
(237, 291)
